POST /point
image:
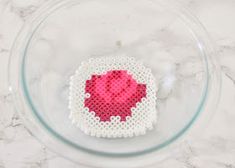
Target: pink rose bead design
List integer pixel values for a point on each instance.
(113, 94)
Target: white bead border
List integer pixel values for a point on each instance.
(144, 115)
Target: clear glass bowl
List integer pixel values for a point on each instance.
(165, 37)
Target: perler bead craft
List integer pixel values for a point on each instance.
(113, 97)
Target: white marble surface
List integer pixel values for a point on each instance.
(215, 149)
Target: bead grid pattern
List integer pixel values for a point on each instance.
(113, 94)
(113, 97)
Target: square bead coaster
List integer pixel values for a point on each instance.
(113, 97)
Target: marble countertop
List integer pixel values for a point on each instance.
(215, 149)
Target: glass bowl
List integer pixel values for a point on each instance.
(164, 36)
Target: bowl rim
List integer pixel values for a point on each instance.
(22, 94)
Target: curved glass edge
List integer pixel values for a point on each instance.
(27, 97)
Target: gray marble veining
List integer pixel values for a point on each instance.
(215, 149)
